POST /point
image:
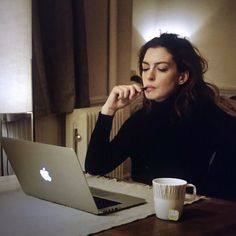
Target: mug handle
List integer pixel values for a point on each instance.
(191, 197)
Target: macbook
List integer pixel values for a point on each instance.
(53, 173)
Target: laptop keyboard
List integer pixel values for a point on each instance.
(102, 202)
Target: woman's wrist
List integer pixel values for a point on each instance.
(107, 111)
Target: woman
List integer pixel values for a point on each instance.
(179, 132)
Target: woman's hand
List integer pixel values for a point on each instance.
(120, 96)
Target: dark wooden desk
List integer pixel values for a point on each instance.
(206, 217)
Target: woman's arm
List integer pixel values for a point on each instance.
(98, 159)
(104, 155)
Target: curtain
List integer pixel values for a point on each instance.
(59, 64)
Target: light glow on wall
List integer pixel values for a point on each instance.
(181, 17)
(179, 28)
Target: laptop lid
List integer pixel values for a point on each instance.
(54, 173)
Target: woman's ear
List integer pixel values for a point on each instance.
(183, 77)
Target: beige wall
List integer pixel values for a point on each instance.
(210, 25)
(216, 39)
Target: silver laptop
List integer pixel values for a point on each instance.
(54, 174)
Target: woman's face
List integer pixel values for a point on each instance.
(160, 74)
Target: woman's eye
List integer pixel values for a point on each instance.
(145, 69)
(163, 69)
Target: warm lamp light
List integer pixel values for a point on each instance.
(181, 30)
(185, 19)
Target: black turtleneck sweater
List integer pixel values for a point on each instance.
(162, 147)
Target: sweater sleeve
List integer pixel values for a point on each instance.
(104, 155)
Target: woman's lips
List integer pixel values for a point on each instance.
(149, 88)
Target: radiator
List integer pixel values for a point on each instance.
(13, 126)
(79, 127)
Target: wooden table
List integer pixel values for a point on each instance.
(207, 217)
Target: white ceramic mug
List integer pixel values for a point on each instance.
(169, 196)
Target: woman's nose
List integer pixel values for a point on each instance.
(151, 75)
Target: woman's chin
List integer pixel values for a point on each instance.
(154, 97)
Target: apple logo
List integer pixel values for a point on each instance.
(45, 174)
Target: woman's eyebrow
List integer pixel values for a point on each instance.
(156, 63)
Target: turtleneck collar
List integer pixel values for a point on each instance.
(167, 104)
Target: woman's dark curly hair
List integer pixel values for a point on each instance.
(188, 59)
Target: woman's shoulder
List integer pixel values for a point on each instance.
(228, 105)
(219, 115)
(224, 107)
